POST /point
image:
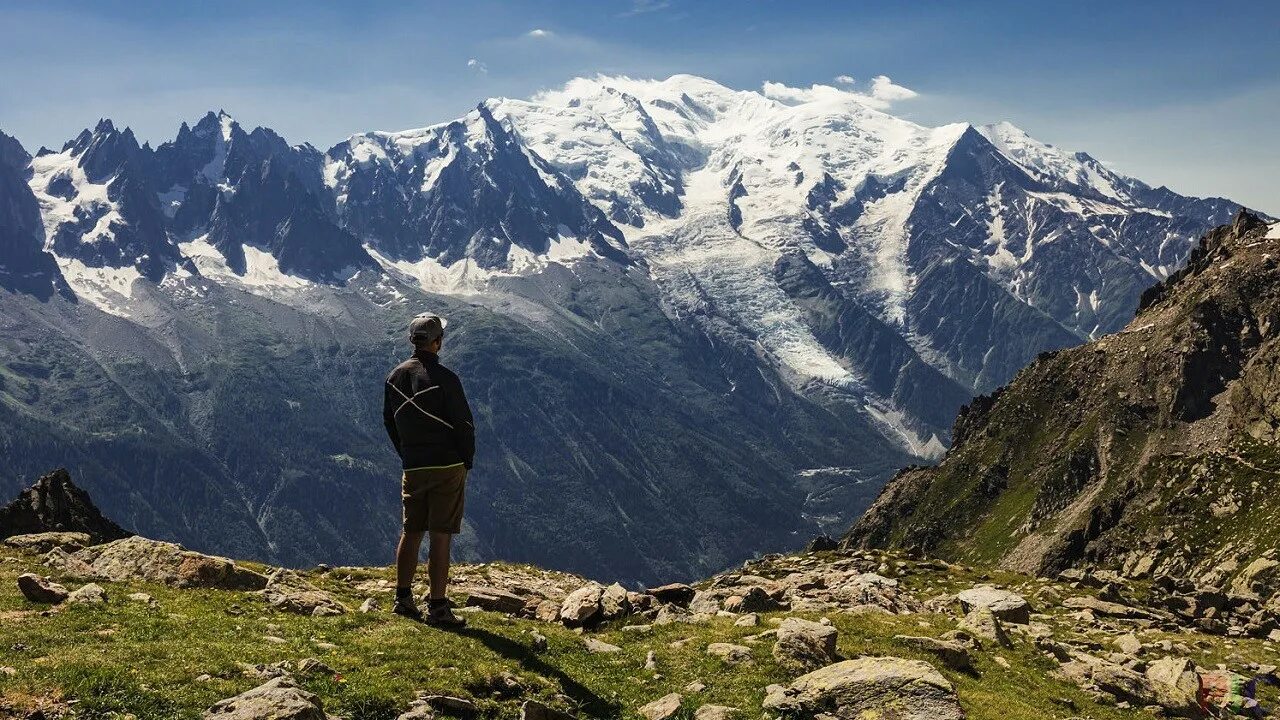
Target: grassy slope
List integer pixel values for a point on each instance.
(126, 657)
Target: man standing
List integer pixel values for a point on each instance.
(429, 421)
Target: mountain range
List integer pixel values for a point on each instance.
(695, 323)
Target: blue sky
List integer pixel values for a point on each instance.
(1178, 93)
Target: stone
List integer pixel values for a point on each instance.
(286, 590)
(41, 543)
(418, 711)
(952, 654)
(41, 590)
(1129, 644)
(277, 699)
(664, 708)
(138, 558)
(822, 543)
(312, 666)
(1105, 608)
(91, 594)
(369, 605)
(730, 653)
(534, 710)
(803, 645)
(715, 712)
(141, 597)
(1008, 606)
(695, 687)
(704, 602)
(538, 642)
(869, 687)
(450, 703)
(582, 606)
(1261, 577)
(675, 593)
(748, 620)
(651, 660)
(495, 600)
(614, 602)
(596, 647)
(983, 623)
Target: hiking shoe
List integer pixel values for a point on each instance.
(440, 614)
(408, 608)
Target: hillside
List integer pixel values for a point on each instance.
(1152, 451)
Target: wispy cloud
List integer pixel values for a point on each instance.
(641, 7)
(539, 33)
(478, 66)
(881, 94)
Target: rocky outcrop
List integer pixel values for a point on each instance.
(277, 699)
(869, 687)
(139, 558)
(803, 645)
(286, 590)
(55, 504)
(44, 542)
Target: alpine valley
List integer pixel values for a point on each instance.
(695, 323)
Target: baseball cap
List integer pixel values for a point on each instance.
(426, 327)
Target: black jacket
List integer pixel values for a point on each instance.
(427, 415)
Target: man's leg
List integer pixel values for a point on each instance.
(407, 557)
(438, 563)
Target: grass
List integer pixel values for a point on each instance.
(126, 658)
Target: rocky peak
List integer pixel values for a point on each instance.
(56, 504)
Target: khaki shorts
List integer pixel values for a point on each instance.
(433, 499)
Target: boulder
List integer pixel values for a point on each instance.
(286, 590)
(495, 600)
(614, 602)
(664, 708)
(952, 654)
(534, 710)
(803, 645)
(1007, 606)
(716, 712)
(1106, 608)
(730, 653)
(1260, 577)
(582, 606)
(41, 590)
(675, 594)
(138, 558)
(44, 542)
(277, 699)
(91, 594)
(597, 647)
(983, 623)
(1129, 644)
(870, 687)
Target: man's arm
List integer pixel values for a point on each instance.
(389, 406)
(464, 429)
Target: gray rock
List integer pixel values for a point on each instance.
(1006, 605)
(952, 654)
(675, 593)
(582, 606)
(716, 712)
(286, 590)
(596, 647)
(277, 699)
(982, 623)
(495, 600)
(41, 590)
(803, 645)
(369, 605)
(870, 687)
(664, 708)
(91, 594)
(614, 602)
(44, 542)
(137, 558)
(141, 597)
(730, 653)
(534, 710)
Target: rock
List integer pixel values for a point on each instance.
(1175, 672)
(141, 597)
(495, 600)
(41, 590)
(1260, 577)
(418, 711)
(748, 620)
(614, 602)
(596, 647)
(983, 623)
(277, 699)
(450, 703)
(715, 712)
(822, 543)
(44, 542)
(705, 602)
(651, 660)
(664, 708)
(312, 666)
(1105, 608)
(695, 687)
(534, 710)
(55, 504)
(730, 653)
(91, 594)
(287, 590)
(1129, 644)
(369, 605)
(538, 642)
(952, 654)
(675, 594)
(582, 606)
(1007, 606)
(803, 645)
(870, 687)
(1001, 662)
(137, 558)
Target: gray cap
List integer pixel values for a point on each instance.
(426, 327)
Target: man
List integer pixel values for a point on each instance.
(429, 421)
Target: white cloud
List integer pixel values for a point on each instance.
(539, 33)
(882, 94)
(639, 7)
(478, 66)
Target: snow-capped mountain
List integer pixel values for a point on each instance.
(676, 301)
